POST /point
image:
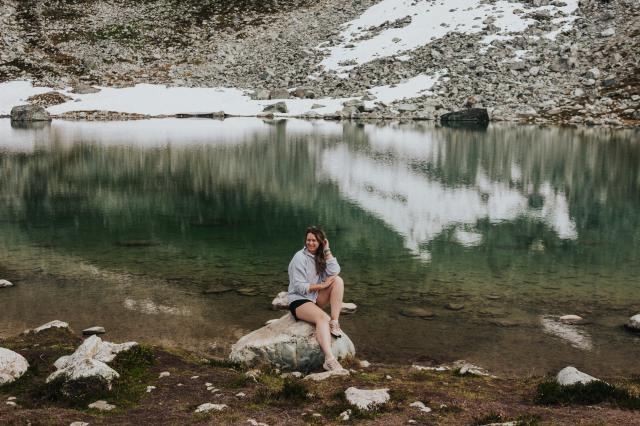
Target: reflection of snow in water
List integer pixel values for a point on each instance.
(420, 208)
(468, 239)
(577, 338)
(148, 307)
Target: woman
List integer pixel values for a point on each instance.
(314, 283)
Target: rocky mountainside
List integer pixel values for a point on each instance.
(578, 66)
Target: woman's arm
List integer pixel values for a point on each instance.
(333, 268)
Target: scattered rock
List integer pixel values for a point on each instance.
(206, 407)
(304, 92)
(280, 301)
(608, 32)
(406, 107)
(348, 308)
(573, 319)
(22, 113)
(424, 368)
(79, 424)
(366, 399)
(279, 94)
(48, 99)
(280, 107)
(466, 368)
(345, 415)
(93, 330)
(326, 374)
(12, 366)
(51, 324)
(420, 406)
(261, 95)
(247, 291)
(5, 283)
(571, 375)
(289, 344)
(634, 323)
(164, 374)
(452, 306)
(84, 89)
(150, 388)
(417, 313)
(364, 364)
(101, 405)
(254, 422)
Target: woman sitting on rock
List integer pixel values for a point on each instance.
(314, 283)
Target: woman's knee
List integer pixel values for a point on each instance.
(339, 281)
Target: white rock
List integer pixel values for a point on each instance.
(12, 366)
(164, 374)
(570, 319)
(287, 343)
(150, 388)
(79, 424)
(295, 374)
(420, 406)
(241, 394)
(280, 301)
(5, 283)
(593, 73)
(93, 330)
(348, 308)
(89, 360)
(254, 422)
(634, 322)
(51, 324)
(208, 384)
(345, 415)
(366, 399)
(571, 375)
(101, 406)
(271, 321)
(576, 337)
(423, 368)
(194, 377)
(465, 367)
(253, 374)
(326, 374)
(364, 364)
(11, 398)
(11, 403)
(206, 407)
(608, 32)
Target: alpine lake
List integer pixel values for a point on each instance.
(455, 243)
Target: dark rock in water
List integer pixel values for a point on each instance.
(217, 114)
(137, 243)
(280, 107)
(216, 290)
(452, 306)
(29, 113)
(417, 313)
(247, 291)
(504, 323)
(471, 115)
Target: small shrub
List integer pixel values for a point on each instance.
(528, 420)
(550, 393)
(488, 419)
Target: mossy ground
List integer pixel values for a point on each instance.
(454, 399)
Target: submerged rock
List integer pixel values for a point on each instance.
(417, 313)
(571, 375)
(29, 113)
(366, 399)
(289, 344)
(12, 366)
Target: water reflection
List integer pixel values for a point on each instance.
(514, 224)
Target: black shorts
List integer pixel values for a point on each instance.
(294, 305)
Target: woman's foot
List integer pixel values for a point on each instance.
(332, 364)
(334, 328)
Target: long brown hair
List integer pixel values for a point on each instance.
(321, 261)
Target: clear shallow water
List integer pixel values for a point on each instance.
(128, 224)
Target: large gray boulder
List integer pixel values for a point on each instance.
(29, 113)
(471, 115)
(571, 375)
(12, 366)
(634, 323)
(287, 344)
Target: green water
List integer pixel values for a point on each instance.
(127, 225)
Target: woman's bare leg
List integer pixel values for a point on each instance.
(333, 295)
(311, 313)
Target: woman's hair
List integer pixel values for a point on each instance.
(321, 262)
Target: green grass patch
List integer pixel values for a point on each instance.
(488, 419)
(552, 393)
(225, 363)
(291, 392)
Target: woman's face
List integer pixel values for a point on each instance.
(312, 243)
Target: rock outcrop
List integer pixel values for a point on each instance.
(366, 399)
(287, 344)
(12, 366)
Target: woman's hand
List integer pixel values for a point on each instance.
(326, 244)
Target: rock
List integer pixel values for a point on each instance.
(424, 368)
(608, 32)
(261, 95)
(280, 107)
(609, 82)
(348, 308)
(93, 330)
(289, 344)
(304, 92)
(345, 415)
(12, 366)
(279, 94)
(634, 323)
(254, 422)
(578, 93)
(326, 374)
(206, 407)
(517, 65)
(241, 394)
(163, 374)
(247, 291)
(452, 306)
(89, 361)
(571, 375)
(101, 406)
(150, 388)
(554, 111)
(420, 406)
(471, 115)
(295, 374)
(316, 106)
(365, 364)
(366, 399)
(22, 113)
(534, 71)
(48, 99)
(465, 368)
(79, 424)
(5, 283)
(417, 313)
(593, 73)
(84, 89)
(571, 319)
(280, 301)
(406, 107)
(51, 324)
